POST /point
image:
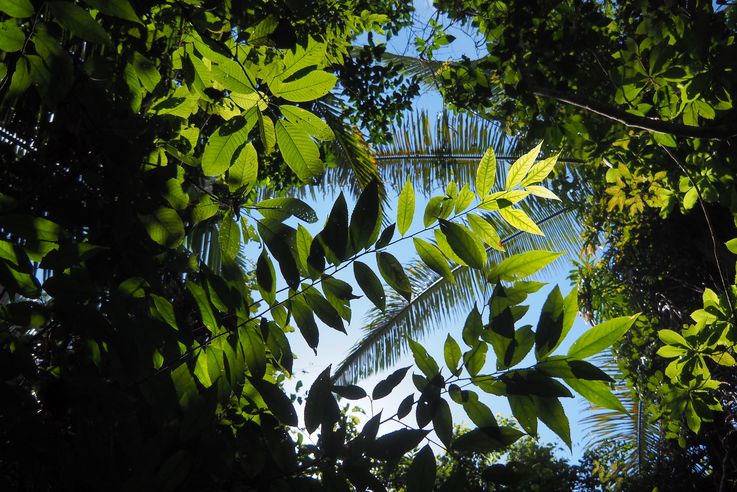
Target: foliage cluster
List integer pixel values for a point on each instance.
(138, 141)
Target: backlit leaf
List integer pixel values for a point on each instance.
(433, 258)
(521, 167)
(298, 150)
(600, 337)
(405, 208)
(464, 244)
(393, 273)
(486, 173)
(370, 284)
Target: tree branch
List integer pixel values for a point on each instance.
(634, 121)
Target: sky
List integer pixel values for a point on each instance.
(334, 346)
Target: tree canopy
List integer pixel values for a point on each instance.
(147, 146)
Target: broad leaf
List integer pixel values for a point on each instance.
(451, 353)
(221, 147)
(298, 150)
(421, 473)
(518, 219)
(366, 218)
(550, 411)
(521, 167)
(370, 284)
(486, 173)
(79, 21)
(424, 361)
(405, 208)
(464, 244)
(311, 86)
(597, 392)
(165, 227)
(384, 387)
(391, 270)
(308, 121)
(433, 258)
(600, 337)
(522, 265)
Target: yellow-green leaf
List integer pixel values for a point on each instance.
(485, 231)
(405, 208)
(298, 150)
(521, 167)
(520, 220)
(486, 173)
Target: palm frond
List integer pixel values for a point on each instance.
(634, 427)
(437, 302)
(411, 66)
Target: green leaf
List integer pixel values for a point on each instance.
(320, 406)
(303, 243)
(267, 132)
(600, 337)
(305, 320)
(442, 243)
(279, 404)
(334, 235)
(166, 310)
(370, 284)
(204, 306)
(405, 208)
(309, 87)
(323, 309)
(486, 173)
(433, 258)
(164, 227)
(421, 473)
(464, 244)
(244, 171)
(385, 386)
(521, 167)
(475, 358)
(424, 361)
(366, 218)
(393, 273)
(550, 326)
(298, 150)
(121, 9)
(229, 238)
(524, 339)
(485, 231)
(597, 392)
(308, 121)
(487, 440)
(671, 337)
(522, 265)
(438, 207)
(542, 192)
(79, 21)
(479, 413)
(17, 8)
(550, 411)
(12, 37)
(540, 171)
(266, 278)
(473, 327)
(283, 207)
(205, 208)
(386, 236)
(253, 347)
(221, 147)
(732, 246)
(523, 409)
(451, 353)
(394, 444)
(442, 422)
(464, 199)
(350, 392)
(518, 219)
(563, 367)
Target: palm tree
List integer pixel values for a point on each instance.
(429, 152)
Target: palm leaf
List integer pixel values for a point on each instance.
(436, 303)
(635, 427)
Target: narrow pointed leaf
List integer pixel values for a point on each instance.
(370, 284)
(600, 337)
(521, 167)
(465, 245)
(486, 173)
(433, 258)
(393, 273)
